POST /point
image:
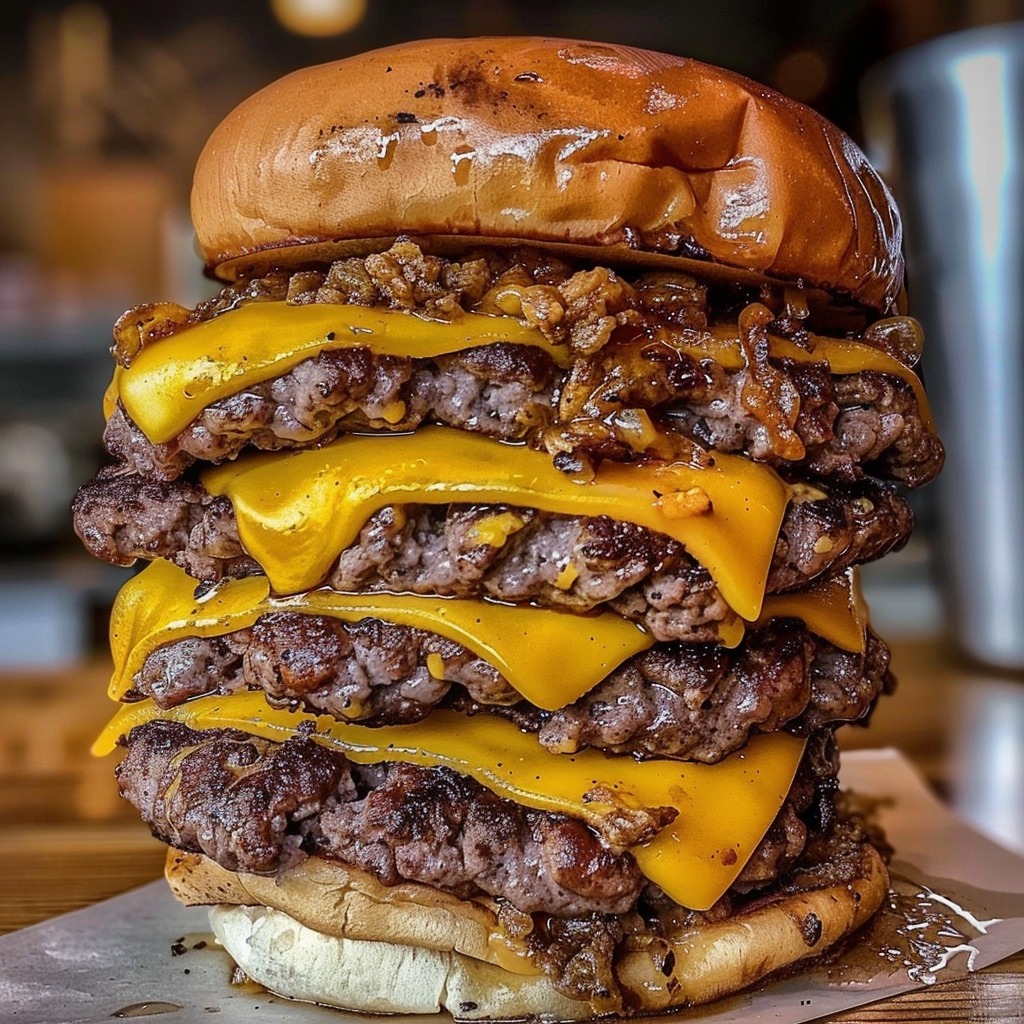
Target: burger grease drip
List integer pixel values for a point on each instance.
(927, 928)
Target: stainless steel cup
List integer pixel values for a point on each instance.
(944, 122)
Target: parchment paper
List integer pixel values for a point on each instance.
(957, 906)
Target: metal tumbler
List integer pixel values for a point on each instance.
(944, 122)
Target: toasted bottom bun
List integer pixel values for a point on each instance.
(330, 934)
(379, 977)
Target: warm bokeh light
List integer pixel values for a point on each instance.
(319, 17)
(802, 74)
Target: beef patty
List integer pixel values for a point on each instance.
(258, 806)
(699, 702)
(627, 354)
(437, 549)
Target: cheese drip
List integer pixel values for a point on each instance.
(724, 809)
(172, 380)
(527, 645)
(297, 511)
(834, 610)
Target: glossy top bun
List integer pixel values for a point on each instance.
(545, 141)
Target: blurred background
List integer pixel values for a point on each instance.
(104, 107)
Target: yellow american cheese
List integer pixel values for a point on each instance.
(172, 380)
(834, 610)
(297, 511)
(724, 809)
(527, 645)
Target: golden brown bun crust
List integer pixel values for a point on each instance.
(546, 140)
(693, 967)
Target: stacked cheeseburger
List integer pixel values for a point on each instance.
(502, 514)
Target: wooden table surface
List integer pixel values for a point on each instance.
(67, 840)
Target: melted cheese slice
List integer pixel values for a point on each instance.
(172, 380)
(527, 645)
(724, 809)
(297, 511)
(834, 610)
(158, 606)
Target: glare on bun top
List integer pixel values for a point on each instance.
(552, 141)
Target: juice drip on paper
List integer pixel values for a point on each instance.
(146, 1009)
(926, 929)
